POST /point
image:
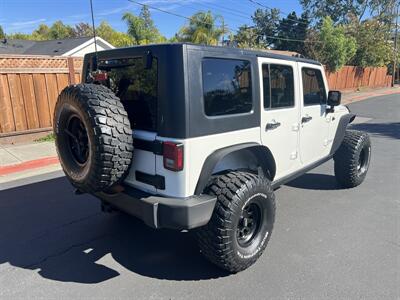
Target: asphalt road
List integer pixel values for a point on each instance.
(327, 242)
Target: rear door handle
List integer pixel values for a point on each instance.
(272, 125)
(306, 119)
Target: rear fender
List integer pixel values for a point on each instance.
(219, 161)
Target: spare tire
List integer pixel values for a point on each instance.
(93, 137)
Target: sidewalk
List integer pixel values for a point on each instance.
(350, 97)
(22, 161)
(20, 164)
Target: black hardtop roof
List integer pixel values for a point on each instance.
(221, 50)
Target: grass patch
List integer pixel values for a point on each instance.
(48, 138)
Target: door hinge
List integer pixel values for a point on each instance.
(293, 155)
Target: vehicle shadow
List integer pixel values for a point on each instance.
(45, 227)
(313, 181)
(390, 130)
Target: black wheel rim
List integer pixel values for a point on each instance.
(362, 164)
(78, 141)
(249, 224)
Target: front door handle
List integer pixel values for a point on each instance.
(306, 119)
(272, 125)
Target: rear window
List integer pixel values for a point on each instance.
(136, 86)
(227, 86)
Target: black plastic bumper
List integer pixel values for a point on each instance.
(163, 212)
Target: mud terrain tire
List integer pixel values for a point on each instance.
(351, 160)
(241, 198)
(93, 137)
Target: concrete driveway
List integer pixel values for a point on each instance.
(327, 242)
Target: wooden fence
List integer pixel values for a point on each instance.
(29, 87)
(352, 78)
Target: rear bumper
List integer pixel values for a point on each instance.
(163, 212)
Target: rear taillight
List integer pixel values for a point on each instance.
(173, 156)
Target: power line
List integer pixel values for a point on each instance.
(233, 13)
(189, 18)
(168, 12)
(280, 12)
(227, 16)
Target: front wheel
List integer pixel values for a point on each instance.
(242, 221)
(352, 158)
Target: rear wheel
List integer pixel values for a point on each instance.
(352, 158)
(242, 221)
(93, 137)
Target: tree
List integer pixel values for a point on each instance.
(266, 24)
(60, 31)
(292, 31)
(141, 28)
(83, 30)
(246, 37)
(2, 34)
(374, 50)
(19, 36)
(41, 33)
(116, 38)
(332, 47)
(202, 29)
(339, 11)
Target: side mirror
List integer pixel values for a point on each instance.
(334, 98)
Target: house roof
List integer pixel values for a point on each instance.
(15, 46)
(52, 47)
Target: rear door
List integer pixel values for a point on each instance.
(314, 129)
(280, 112)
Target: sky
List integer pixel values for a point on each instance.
(25, 15)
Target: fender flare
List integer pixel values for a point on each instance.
(344, 121)
(262, 153)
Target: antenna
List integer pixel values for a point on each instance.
(94, 30)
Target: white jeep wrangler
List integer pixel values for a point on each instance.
(193, 137)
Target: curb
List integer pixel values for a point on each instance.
(28, 165)
(356, 98)
(31, 180)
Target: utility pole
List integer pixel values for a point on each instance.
(395, 47)
(223, 31)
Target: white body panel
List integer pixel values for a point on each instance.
(143, 161)
(196, 151)
(283, 141)
(314, 143)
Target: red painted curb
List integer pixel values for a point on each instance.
(28, 165)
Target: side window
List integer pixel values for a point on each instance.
(313, 87)
(227, 87)
(266, 86)
(278, 85)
